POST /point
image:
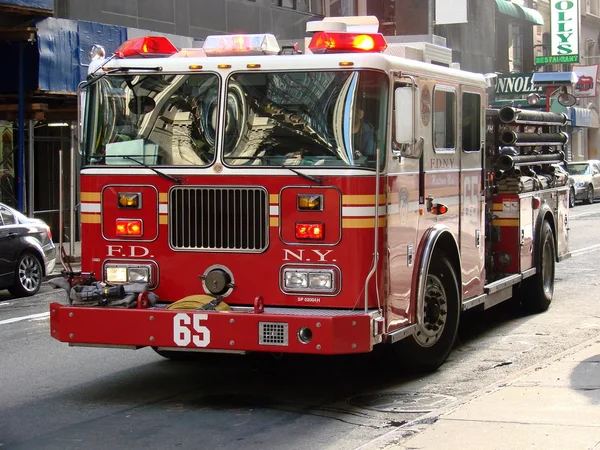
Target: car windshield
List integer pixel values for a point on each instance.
(333, 118)
(578, 169)
(152, 119)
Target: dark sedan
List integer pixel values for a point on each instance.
(27, 252)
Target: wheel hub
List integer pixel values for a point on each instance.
(434, 313)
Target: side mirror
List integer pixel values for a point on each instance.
(566, 99)
(405, 142)
(81, 102)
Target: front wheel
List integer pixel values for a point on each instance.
(429, 346)
(589, 197)
(571, 198)
(28, 278)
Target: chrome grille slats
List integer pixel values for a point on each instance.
(228, 218)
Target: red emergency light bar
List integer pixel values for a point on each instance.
(147, 46)
(328, 42)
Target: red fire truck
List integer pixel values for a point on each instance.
(246, 198)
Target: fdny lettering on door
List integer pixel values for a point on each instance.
(441, 163)
(127, 251)
(307, 255)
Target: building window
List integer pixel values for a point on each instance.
(516, 48)
(312, 6)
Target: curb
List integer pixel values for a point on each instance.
(392, 437)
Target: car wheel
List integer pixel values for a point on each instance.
(28, 278)
(571, 198)
(589, 197)
(429, 346)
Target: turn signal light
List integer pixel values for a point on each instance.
(439, 209)
(310, 202)
(129, 200)
(129, 227)
(310, 231)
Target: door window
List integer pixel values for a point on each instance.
(471, 122)
(444, 120)
(6, 217)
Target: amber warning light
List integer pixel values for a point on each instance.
(310, 231)
(129, 227)
(328, 42)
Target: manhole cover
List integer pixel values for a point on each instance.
(403, 402)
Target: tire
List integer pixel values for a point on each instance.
(427, 349)
(589, 195)
(29, 276)
(571, 198)
(538, 290)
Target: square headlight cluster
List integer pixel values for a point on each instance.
(127, 274)
(308, 280)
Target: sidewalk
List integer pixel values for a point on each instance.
(552, 405)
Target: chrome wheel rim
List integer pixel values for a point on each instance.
(572, 198)
(435, 313)
(30, 274)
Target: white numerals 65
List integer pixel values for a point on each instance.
(184, 332)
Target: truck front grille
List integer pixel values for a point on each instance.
(219, 218)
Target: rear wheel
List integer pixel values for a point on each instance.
(571, 198)
(432, 341)
(539, 289)
(28, 278)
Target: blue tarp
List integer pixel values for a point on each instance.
(34, 4)
(64, 44)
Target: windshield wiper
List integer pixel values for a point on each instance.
(304, 175)
(162, 174)
(283, 166)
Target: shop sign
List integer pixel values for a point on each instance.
(516, 84)
(587, 79)
(564, 30)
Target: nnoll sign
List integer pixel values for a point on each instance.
(516, 84)
(564, 33)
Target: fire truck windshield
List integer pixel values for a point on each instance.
(333, 118)
(151, 119)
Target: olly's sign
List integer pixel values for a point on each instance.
(564, 31)
(516, 84)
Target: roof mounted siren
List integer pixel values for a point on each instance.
(352, 34)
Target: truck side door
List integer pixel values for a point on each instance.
(471, 193)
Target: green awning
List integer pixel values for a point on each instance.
(519, 12)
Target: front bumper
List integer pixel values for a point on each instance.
(581, 193)
(274, 330)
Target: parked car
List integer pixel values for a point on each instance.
(587, 179)
(27, 252)
(571, 181)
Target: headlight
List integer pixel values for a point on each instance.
(310, 280)
(320, 280)
(138, 274)
(119, 274)
(296, 280)
(116, 274)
